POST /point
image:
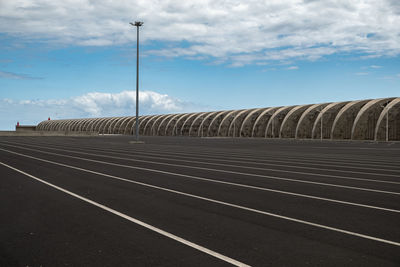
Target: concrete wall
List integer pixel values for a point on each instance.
(357, 120)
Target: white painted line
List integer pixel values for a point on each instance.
(251, 168)
(235, 184)
(209, 169)
(263, 160)
(230, 205)
(136, 221)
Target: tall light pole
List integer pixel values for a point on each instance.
(137, 24)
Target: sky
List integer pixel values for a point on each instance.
(77, 58)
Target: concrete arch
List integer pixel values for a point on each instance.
(89, 125)
(72, 127)
(188, 123)
(365, 123)
(164, 123)
(115, 128)
(206, 122)
(213, 129)
(100, 125)
(171, 127)
(149, 124)
(306, 122)
(84, 125)
(47, 125)
(249, 121)
(122, 125)
(195, 128)
(54, 125)
(142, 124)
(80, 123)
(223, 129)
(260, 123)
(275, 121)
(156, 124)
(327, 116)
(110, 128)
(63, 125)
(39, 127)
(393, 120)
(236, 125)
(129, 127)
(176, 130)
(289, 124)
(103, 126)
(343, 123)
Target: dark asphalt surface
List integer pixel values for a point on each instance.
(260, 202)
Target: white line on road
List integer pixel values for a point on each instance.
(136, 221)
(228, 165)
(209, 169)
(230, 204)
(234, 184)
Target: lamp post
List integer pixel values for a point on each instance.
(137, 24)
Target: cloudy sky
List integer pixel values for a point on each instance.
(76, 58)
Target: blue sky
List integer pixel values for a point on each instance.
(68, 59)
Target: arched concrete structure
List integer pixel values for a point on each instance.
(142, 124)
(100, 127)
(147, 127)
(260, 123)
(275, 121)
(197, 125)
(156, 124)
(363, 120)
(116, 127)
(365, 123)
(289, 124)
(343, 123)
(248, 122)
(188, 123)
(307, 120)
(236, 125)
(120, 129)
(163, 124)
(177, 127)
(170, 128)
(107, 127)
(392, 122)
(327, 116)
(223, 129)
(214, 124)
(206, 122)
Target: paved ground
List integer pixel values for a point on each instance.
(100, 201)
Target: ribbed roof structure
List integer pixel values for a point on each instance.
(357, 120)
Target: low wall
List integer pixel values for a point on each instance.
(47, 133)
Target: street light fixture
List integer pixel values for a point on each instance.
(137, 24)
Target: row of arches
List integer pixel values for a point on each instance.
(376, 119)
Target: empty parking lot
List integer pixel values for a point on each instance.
(172, 201)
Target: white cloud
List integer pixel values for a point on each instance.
(235, 31)
(361, 73)
(90, 105)
(292, 68)
(375, 67)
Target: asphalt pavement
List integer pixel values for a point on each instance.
(178, 201)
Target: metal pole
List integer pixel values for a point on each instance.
(137, 24)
